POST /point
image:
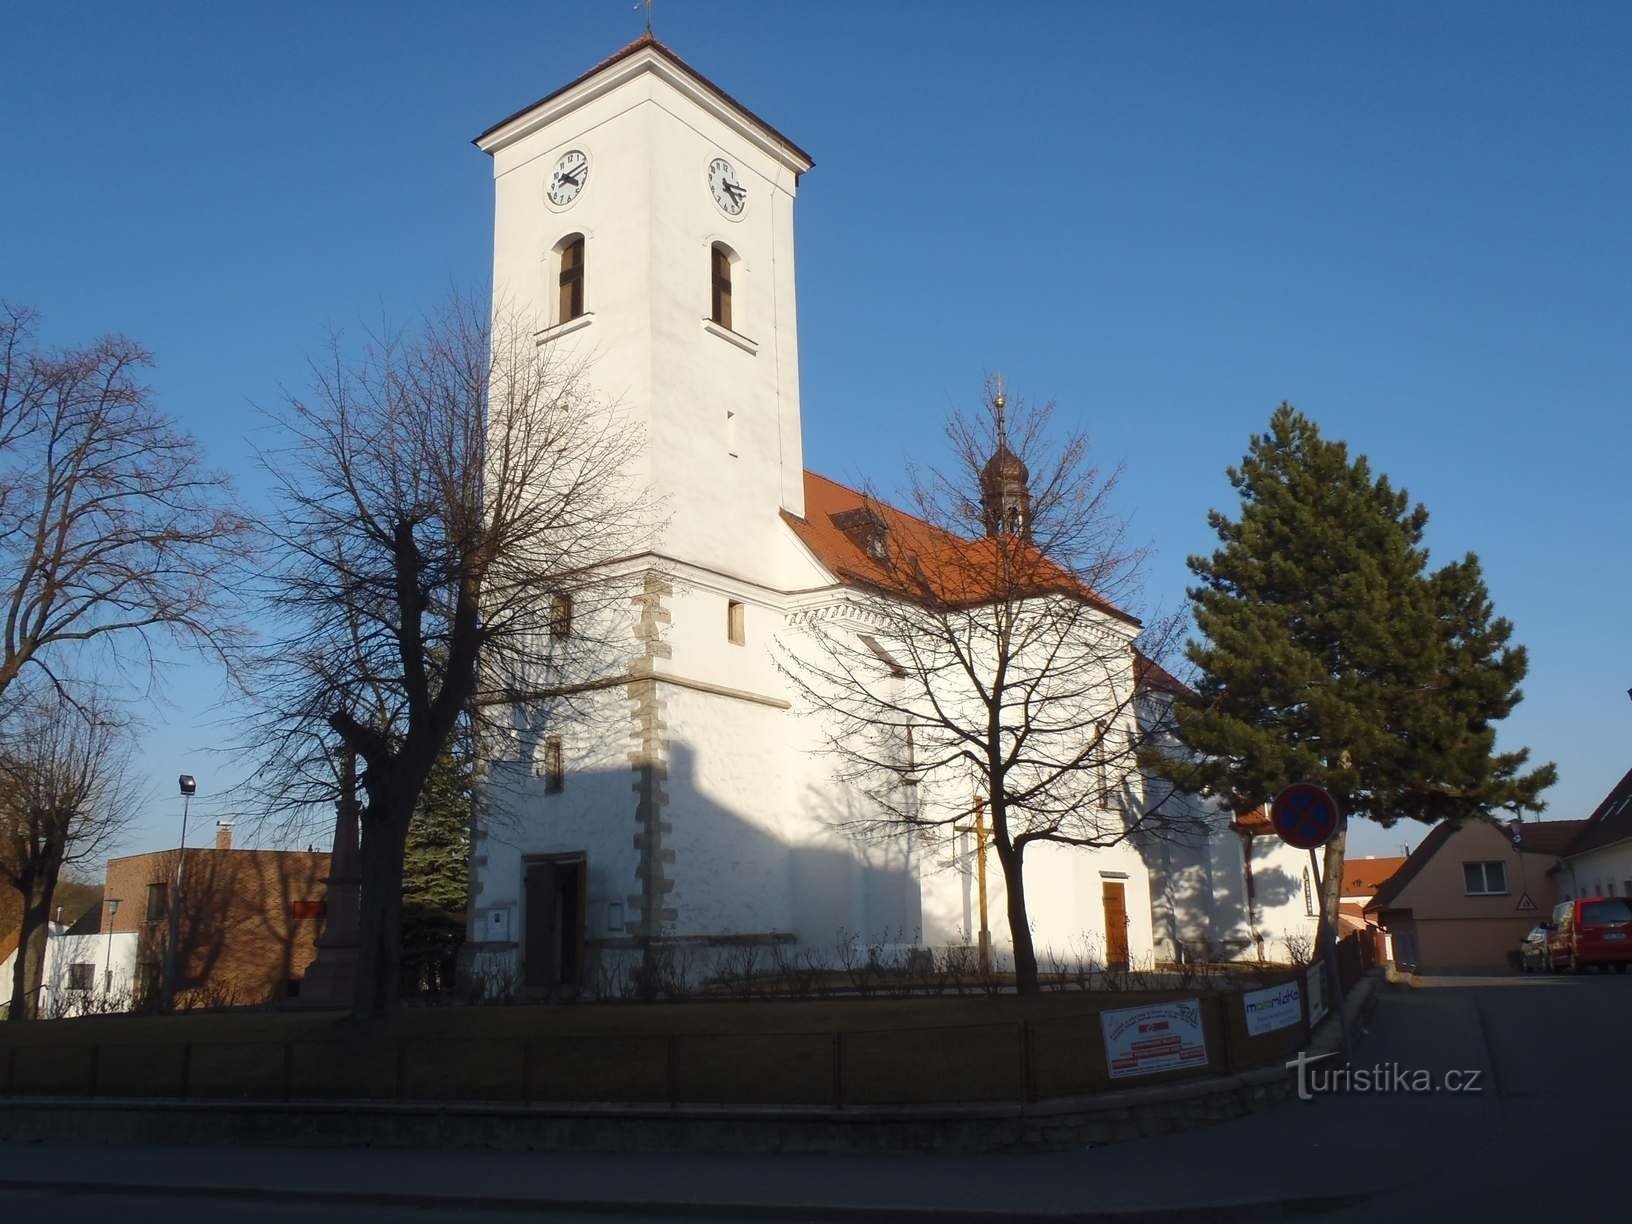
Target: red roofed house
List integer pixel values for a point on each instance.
(1466, 896)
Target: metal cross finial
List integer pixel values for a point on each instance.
(998, 402)
(647, 5)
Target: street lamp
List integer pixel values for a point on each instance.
(107, 964)
(189, 787)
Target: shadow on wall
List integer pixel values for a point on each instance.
(245, 928)
(706, 879)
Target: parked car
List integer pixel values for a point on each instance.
(1533, 949)
(1590, 931)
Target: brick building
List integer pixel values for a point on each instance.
(246, 927)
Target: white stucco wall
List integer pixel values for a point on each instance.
(1282, 908)
(1606, 871)
(115, 994)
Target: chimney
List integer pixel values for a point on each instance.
(223, 835)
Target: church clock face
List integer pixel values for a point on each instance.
(568, 178)
(723, 184)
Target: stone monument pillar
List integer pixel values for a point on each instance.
(330, 980)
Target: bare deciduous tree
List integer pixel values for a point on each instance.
(982, 663)
(112, 532)
(453, 506)
(66, 794)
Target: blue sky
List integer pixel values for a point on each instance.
(1409, 220)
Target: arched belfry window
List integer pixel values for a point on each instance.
(571, 263)
(720, 260)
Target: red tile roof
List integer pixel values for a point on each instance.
(1611, 820)
(623, 53)
(1151, 673)
(1255, 822)
(922, 561)
(1367, 875)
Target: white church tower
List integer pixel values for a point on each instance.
(647, 219)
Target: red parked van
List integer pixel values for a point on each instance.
(1590, 931)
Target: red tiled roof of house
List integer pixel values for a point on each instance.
(623, 53)
(1611, 820)
(1255, 822)
(944, 567)
(1151, 673)
(1366, 875)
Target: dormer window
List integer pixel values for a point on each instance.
(720, 259)
(571, 263)
(866, 527)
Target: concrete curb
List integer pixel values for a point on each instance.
(1256, 1210)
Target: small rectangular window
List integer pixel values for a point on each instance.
(721, 268)
(561, 616)
(307, 909)
(1484, 879)
(1102, 766)
(554, 772)
(81, 977)
(157, 894)
(735, 627)
(572, 281)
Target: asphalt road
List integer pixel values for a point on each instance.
(1546, 1058)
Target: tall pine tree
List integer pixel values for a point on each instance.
(1329, 653)
(436, 870)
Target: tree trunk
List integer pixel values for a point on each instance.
(1025, 955)
(379, 917)
(28, 971)
(1331, 891)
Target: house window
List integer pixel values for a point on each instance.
(307, 909)
(561, 616)
(1484, 879)
(572, 279)
(81, 977)
(735, 627)
(157, 895)
(1102, 767)
(1308, 895)
(720, 271)
(554, 772)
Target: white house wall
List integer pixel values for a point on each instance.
(1606, 871)
(61, 951)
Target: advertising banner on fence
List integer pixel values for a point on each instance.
(1316, 980)
(1160, 1037)
(1274, 1007)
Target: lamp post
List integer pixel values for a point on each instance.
(107, 963)
(189, 786)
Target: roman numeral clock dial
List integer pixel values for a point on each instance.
(568, 178)
(730, 196)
